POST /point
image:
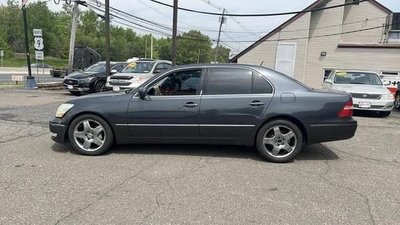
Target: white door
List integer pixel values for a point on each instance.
(285, 58)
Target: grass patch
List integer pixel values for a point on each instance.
(20, 62)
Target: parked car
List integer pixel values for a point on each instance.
(136, 73)
(209, 104)
(92, 79)
(367, 89)
(40, 65)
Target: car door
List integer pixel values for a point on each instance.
(233, 103)
(170, 110)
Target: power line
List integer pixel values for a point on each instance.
(129, 21)
(298, 38)
(261, 14)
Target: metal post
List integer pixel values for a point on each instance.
(151, 46)
(107, 31)
(74, 24)
(222, 18)
(174, 32)
(30, 80)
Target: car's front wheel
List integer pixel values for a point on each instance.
(279, 141)
(397, 101)
(99, 86)
(90, 135)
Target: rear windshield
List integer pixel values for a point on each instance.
(357, 78)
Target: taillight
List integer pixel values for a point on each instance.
(347, 110)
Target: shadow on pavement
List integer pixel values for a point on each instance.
(317, 152)
(313, 152)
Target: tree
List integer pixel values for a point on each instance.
(223, 54)
(193, 47)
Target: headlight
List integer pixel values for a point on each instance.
(63, 109)
(388, 97)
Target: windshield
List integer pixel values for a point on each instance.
(138, 67)
(99, 67)
(357, 78)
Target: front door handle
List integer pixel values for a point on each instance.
(190, 105)
(256, 103)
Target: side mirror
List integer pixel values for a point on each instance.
(142, 93)
(114, 71)
(157, 71)
(328, 81)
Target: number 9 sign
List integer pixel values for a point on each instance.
(39, 43)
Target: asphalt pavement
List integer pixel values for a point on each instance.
(347, 182)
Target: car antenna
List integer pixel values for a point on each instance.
(261, 63)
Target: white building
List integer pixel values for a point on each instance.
(364, 35)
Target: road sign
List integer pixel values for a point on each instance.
(39, 55)
(37, 32)
(39, 43)
(17, 78)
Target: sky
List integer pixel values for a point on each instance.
(234, 31)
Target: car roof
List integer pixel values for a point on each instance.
(152, 60)
(354, 70)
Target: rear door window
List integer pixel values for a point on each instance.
(221, 81)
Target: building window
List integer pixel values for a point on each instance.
(355, 2)
(394, 36)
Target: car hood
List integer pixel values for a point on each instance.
(361, 88)
(131, 75)
(82, 75)
(97, 97)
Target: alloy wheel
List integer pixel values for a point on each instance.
(279, 141)
(89, 135)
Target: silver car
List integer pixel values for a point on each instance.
(136, 73)
(366, 88)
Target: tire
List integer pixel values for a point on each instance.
(99, 86)
(397, 101)
(90, 135)
(279, 141)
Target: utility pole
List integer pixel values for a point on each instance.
(174, 31)
(107, 31)
(30, 80)
(74, 24)
(151, 46)
(222, 20)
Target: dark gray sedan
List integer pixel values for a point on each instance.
(209, 104)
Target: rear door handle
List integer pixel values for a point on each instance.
(190, 105)
(256, 103)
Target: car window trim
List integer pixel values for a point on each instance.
(252, 81)
(157, 79)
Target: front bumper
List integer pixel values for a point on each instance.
(317, 133)
(58, 131)
(83, 87)
(372, 104)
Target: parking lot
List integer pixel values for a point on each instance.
(355, 181)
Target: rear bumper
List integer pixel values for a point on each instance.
(318, 133)
(58, 131)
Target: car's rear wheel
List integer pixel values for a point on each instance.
(397, 101)
(99, 86)
(90, 135)
(279, 141)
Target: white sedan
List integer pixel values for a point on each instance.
(367, 89)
